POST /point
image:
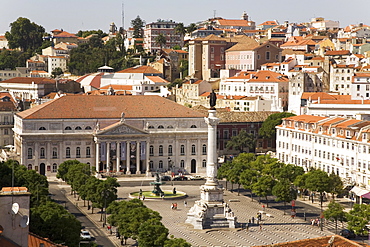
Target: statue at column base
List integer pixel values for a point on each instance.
(138, 172)
(128, 173)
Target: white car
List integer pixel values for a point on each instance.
(85, 235)
(196, 177)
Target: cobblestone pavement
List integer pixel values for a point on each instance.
(275, 229)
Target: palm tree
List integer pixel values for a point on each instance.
(180, 29)
(161, 40)
(191, 28)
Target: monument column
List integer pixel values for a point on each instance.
(137, 157)
(97, 158)
(128, 157)
(107, 167)
(118, 156)
(147, 158)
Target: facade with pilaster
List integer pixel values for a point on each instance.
(117, 133)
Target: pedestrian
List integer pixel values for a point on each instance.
(260, 227)
(143, 197)
(249, 221)
(185, 203)
(172, 206)
(174, 191)
(247, 228)
(263, 207)
(175, 205)
(253, 220)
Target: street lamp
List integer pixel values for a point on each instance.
(170, 166)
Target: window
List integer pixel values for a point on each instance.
(68, 152)
(78, 128)
(55, 167)
(182, 163)
(29, 153)
(68, 128)
(151, 151)
(160, 150)
(160, 127)
(193, 126)
(55, 153)
(29, 167)
(42, 128)
(204, 163)
(193, 149)
(42, 153)
(267, 55)
(204, 149)
(170, 150)
(226, 134)
(151, 164)
(6, 132)
(151, 127)
(87, 128)
(182, 150)
(160, 164)
(88, 152)
(78, 152)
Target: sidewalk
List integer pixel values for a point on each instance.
(345, 202)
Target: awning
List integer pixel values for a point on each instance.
(360, 192)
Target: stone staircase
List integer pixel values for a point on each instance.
(217, 221)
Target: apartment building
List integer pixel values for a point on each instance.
(332, 144)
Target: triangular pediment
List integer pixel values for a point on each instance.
(119, 129)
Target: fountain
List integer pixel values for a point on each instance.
(157, 185)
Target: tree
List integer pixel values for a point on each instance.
(161, 40)
(86, 33)
(184, 67)
(152, 233)
(180, 29)
(300, 182)
(64, 167)
(176, 242)
(284, 191)
(56, 72)
(267, 129)
(191, 28)
(335, 184)
(242, 140)
(335, 212)
(138, 25)
(52, 221)
(238, 165)
(24, 35)
(358, 218)
(223, 171)
(263, 187)
(319, 181)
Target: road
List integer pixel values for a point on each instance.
(58, 196)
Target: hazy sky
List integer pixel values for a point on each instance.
(74, 15)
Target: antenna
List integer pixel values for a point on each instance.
(15, 208)
(123, 16)
(24, 221)
(214, 13)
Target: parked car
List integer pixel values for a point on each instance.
(166, 178)
(180, 178)
(85, 235)
(196, 177)
(347, 233)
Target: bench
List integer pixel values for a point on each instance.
(234, 200)
(269, 215)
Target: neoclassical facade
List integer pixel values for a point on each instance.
(117, 133)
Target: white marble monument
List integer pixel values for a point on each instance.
(211, 211)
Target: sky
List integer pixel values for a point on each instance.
(75, 15)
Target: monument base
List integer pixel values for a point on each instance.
(211, 211)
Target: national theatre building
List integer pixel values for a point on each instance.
(116, 133)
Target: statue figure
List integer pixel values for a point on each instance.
(212, 99)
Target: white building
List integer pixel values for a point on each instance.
(267, 84)
(322, 24)
(131, 134)
(332, 144)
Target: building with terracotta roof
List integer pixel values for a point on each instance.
(64, 37)
(242, 24)
(6, 74)
(332, 144)
(8, 107)
(130, 134)
(167, 28)
(174, 59)
(323, 25)
(189, 94)
(3, 42)
(267, 84)
(267, 24)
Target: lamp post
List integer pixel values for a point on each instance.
(170, 166)
(104, 194)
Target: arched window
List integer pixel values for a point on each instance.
(193, 126)
(88, 128)
(204, 149)
(182, 150)
(78, 152)
(29, 167)
(88, 152)
(150, 127)
(169, 150)
(42, 153)
(160, 150)
(204, 163)
(68, 152)
(160, 127)
(29, 153)
(193, 150)
(160, 164)
(55, 167)
(151, 164)
(42, 128)
(182, 163)
(169, 127)
(68, 128)
(55, 153)
(151, 150)
(78, 128)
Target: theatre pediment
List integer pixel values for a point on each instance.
(121, 129)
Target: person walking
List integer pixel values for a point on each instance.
(247, 228)
(185, 203)
(260, 227)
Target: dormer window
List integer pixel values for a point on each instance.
(321, 129)
(333, 131)
(68, 128)
(160, 127)
(364, 136)
(42, 128)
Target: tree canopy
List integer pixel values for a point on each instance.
(241, 141)
(161, 40)
(138, 25)
(25, 35)
(267, 129)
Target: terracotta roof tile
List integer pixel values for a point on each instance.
(140, 69)
(108, 107)
(29, 80)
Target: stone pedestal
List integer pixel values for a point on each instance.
(211, 211)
